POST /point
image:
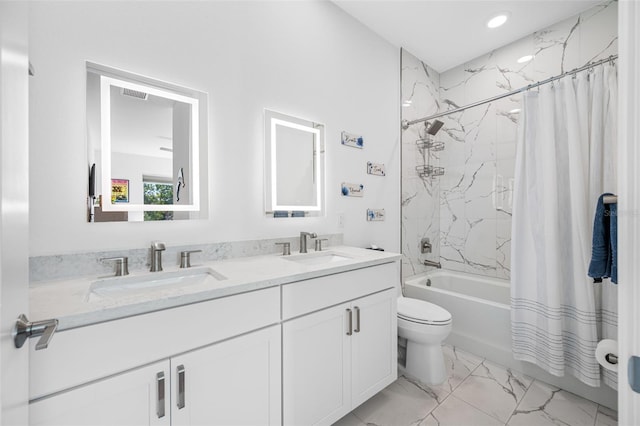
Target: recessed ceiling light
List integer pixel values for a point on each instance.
(514, 111)
(525, 58)
(406, 103)
(498, 20)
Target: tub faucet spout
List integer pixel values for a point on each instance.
(432, 263)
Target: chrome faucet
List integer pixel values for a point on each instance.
(157, 248)
(303, 240)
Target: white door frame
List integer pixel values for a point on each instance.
(628, 205)
(14, 208)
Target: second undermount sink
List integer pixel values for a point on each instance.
(317, 258)
(138, 285)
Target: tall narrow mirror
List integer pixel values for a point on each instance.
(294, 166)
(145, 139)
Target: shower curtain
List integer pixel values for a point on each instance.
(565, 159)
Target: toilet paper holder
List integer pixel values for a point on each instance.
(612, 358)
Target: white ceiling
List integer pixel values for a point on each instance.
(141, 127)
(447, 33)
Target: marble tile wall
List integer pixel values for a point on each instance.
(45, 268)
(468, 209)
(420, 207)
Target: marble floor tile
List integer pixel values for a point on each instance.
(547, 405)
(455, 412)
(459, 365)
(494, 390)
(400, 403)
(477, 393)
(606, 417)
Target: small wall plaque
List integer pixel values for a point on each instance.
(352, 189)
(375, 215)
(376, 169)
(350, 139)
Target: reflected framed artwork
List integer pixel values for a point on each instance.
(119, 191)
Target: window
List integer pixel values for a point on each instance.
(157, 191)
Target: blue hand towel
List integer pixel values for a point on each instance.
(604, 246)
(613, 233)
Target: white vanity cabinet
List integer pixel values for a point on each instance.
(302, 352)
(236, 382)
(337, 357)
(229, 383)
(137, 397)
(107, 374)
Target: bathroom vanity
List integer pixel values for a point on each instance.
(300, 339)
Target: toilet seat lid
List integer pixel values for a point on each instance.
(422, 311)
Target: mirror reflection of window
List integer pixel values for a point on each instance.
(158, 191)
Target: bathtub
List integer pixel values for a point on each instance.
(481, 312)
(478, 305)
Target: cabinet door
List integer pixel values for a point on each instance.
(316, 353)
(137, 397)
(373, 345)
(235, 382)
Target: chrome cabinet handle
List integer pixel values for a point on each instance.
(350, 332)
(181, 374)
(160, 401)
(357, 329)
(25, 329)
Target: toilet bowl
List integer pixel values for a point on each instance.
(425, 326)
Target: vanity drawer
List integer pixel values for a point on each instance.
(302, 297)
(84, 354)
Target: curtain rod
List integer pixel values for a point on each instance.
(406, 123)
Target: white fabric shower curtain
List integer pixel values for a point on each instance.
(564, 161)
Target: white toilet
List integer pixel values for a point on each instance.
(425, 326)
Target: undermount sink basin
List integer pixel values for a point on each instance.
(138, 285)
(317, 258)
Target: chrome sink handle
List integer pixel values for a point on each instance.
(319, 243)
(122, 264)
(25, 329)
(185, 258)
(286, 248)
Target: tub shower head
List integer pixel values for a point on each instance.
(434, 127)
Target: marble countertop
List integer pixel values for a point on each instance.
(72, 302)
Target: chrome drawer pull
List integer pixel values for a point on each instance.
(350, 331)
(181, 387)
(160, 401)
(357, 329)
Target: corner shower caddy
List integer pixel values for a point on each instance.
(426, 145)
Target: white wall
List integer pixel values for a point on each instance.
(307, 59)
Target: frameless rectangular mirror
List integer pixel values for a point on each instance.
(146, 139)
(294, 166)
